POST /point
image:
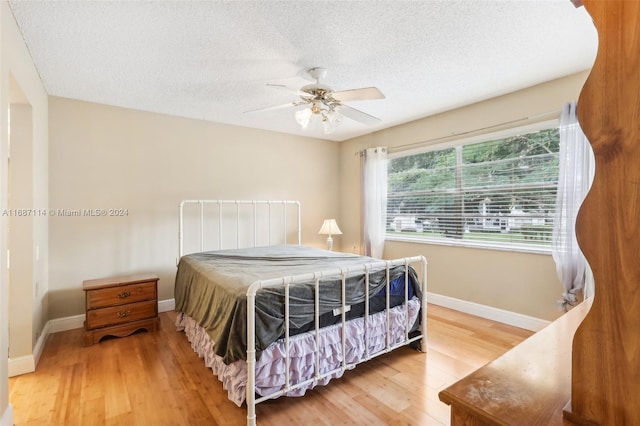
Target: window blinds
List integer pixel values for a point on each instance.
(493, 192)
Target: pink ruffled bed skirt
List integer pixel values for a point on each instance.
(271, 367)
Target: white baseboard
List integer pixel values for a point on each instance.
(7, 416)
(166, 305)
(21, 365)
(28, 363)
(495, 314)
(66, 323)
(37, 349)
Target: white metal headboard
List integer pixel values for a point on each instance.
(230, 214)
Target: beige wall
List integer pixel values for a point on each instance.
(108, 157)
(518, 282)
(20, 238)
(20, 85)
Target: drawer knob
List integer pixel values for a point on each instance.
(123, 314)
(124, 295)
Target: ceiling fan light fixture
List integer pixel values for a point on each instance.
(334, 117)
(327, 118)
(331, 120)
(303, 117)
(322, 102)
(327, 128)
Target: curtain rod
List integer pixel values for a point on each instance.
(550, 114)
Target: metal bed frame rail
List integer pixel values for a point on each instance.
(317, 277)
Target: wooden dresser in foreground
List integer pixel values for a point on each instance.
(119, 306)
(529, 385)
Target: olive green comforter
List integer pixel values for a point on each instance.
(211, 288)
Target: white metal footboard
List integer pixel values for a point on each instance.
(317, 277)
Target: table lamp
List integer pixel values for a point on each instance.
(330, 227)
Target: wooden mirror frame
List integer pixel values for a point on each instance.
(605, 381)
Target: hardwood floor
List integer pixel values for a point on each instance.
(156, 379)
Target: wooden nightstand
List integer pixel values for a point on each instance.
(118, 306)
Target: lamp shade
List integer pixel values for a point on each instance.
(330, 227)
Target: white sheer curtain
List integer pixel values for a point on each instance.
(576, 174)
(374, 188)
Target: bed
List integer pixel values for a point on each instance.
(272, 317)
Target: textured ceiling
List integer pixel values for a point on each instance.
(211, 60)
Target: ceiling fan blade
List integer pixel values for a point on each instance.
(290, 104)
(357, 115)
(362, 94)
(289, 89)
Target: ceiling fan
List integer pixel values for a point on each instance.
(326, 104)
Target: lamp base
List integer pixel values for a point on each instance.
(329, 243)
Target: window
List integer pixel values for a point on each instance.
(493, 193)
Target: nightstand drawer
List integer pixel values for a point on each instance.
(114, 315)
(121, 295)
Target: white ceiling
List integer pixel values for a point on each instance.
(211, 60)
